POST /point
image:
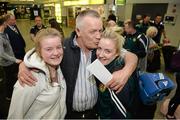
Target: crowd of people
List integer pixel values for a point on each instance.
(53, 81)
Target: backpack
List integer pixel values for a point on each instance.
(154, 87)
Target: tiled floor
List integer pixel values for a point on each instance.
(24, 27)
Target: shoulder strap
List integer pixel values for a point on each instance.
(142, 41)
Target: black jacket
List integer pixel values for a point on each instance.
(128, 95)
(70, 66)
(133, 44)
(17, 42)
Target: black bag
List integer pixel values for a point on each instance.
(167, 55)
(175, 61)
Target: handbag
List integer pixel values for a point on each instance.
(175, 61)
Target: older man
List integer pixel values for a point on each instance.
(17, 41)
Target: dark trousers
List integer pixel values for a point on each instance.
(1, 72)
(87, 114)
(175, 101)
(146, 111)
(10, 73)
(155, 64)
(167, 55)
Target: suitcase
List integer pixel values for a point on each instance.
(154, 87)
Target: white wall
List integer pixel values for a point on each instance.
(120, 10)
(172, 31)
(128, 11)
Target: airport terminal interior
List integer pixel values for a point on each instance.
(65, 12)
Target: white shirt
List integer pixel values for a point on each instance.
(85, 94)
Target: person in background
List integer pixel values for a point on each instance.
(157, 22)
(46, 100)
(56, 25)
(17, 41)
(111, 16)
(151, 33)
(38, 26)
(138, 19)
(175, 100)
(136, 42)
(144, 24)
(111, 23)
(109, 54)
(7, 59)
(117, 29)
(79, 52)
(108, 24)
(156, 62)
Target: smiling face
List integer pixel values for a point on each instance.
(51, 51)
(48, 44)
(106, 51)
(109, 46)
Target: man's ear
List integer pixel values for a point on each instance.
(77, 32)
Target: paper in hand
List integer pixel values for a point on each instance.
(99, 71)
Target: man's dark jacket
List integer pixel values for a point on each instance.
(17, 42)
(70, 66)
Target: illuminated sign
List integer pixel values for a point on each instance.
(58, 12)
(83, 2)
(120, 2)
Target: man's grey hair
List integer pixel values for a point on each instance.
(10, 15)
(84, 13)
